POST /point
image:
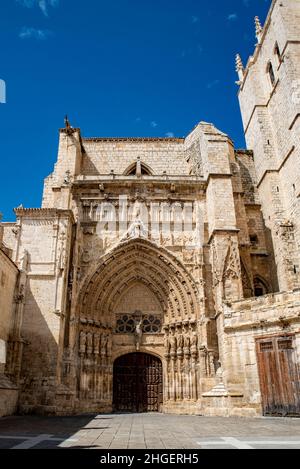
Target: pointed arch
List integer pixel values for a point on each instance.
(231, 278)
(139, 260)
(246, 280)
(261, 286)
(145, 170)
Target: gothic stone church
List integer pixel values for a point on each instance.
(195, 310)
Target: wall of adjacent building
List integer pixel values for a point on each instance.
(8, 279)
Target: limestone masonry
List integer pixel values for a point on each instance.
(163, 274)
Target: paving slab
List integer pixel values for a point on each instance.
(152, 431)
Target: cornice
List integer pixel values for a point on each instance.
(43, 213)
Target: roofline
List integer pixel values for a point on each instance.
(133, 139)
(9, 259)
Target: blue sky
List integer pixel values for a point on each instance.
(117, 68)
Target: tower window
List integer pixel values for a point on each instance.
(271, 73)
(254, 240)
(277, 52)
(260, 287)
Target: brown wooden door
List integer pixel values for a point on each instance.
(279, 376)
(138, 383)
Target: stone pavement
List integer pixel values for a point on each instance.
(152, 431)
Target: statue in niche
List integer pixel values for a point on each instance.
(167, 345)
(194, 340)
(180, 344)
(82, 342)
(194, 345)
(173, 344)
(187, 345)
(138, 334)
(104, 341)
(96, 344)
(89, 343)
(109, 345)
(136, 230)
(24, 261)
(219, 372)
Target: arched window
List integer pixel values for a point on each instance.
(260, 287)
(138, 169)
(270, 71)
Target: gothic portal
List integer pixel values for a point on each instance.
(162, 274)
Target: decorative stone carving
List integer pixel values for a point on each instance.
(82, 345)
(167, 346)
(150, 324)
(138, 334)
(180, 345)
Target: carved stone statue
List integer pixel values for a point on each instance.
(167, 346)
(24, 261)
(138, 334)
(96, 344)
(219, 373)
(194, 346)
(104, 340)
(137, 230)
(194, 341)
(89, 343)
(173, 344)
(187, 345)
(82, 344)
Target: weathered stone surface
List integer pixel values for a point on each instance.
(160, 246)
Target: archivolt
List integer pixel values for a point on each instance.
(143, 261)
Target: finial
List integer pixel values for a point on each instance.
(68, 127)
(258, 28)
(67, 123)
(239, 67)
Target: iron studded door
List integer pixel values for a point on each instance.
(138, 383)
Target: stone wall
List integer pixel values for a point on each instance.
(242, 324)
(103, 156)
(45, 237)
(270, 114)
(8, 280)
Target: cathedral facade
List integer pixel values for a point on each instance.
(163, 274)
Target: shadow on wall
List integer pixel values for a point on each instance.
(266, 268)
(39, 361)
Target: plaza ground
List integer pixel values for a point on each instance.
(148, 431)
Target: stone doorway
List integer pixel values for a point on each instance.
(138, 384)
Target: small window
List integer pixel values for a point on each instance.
(254, 240)
(260, 288)
(259, 291)
(271, 73)
(277, 52)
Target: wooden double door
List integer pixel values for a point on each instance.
(279, 375)
(138, 383)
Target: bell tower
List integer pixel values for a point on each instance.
(269, 96)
